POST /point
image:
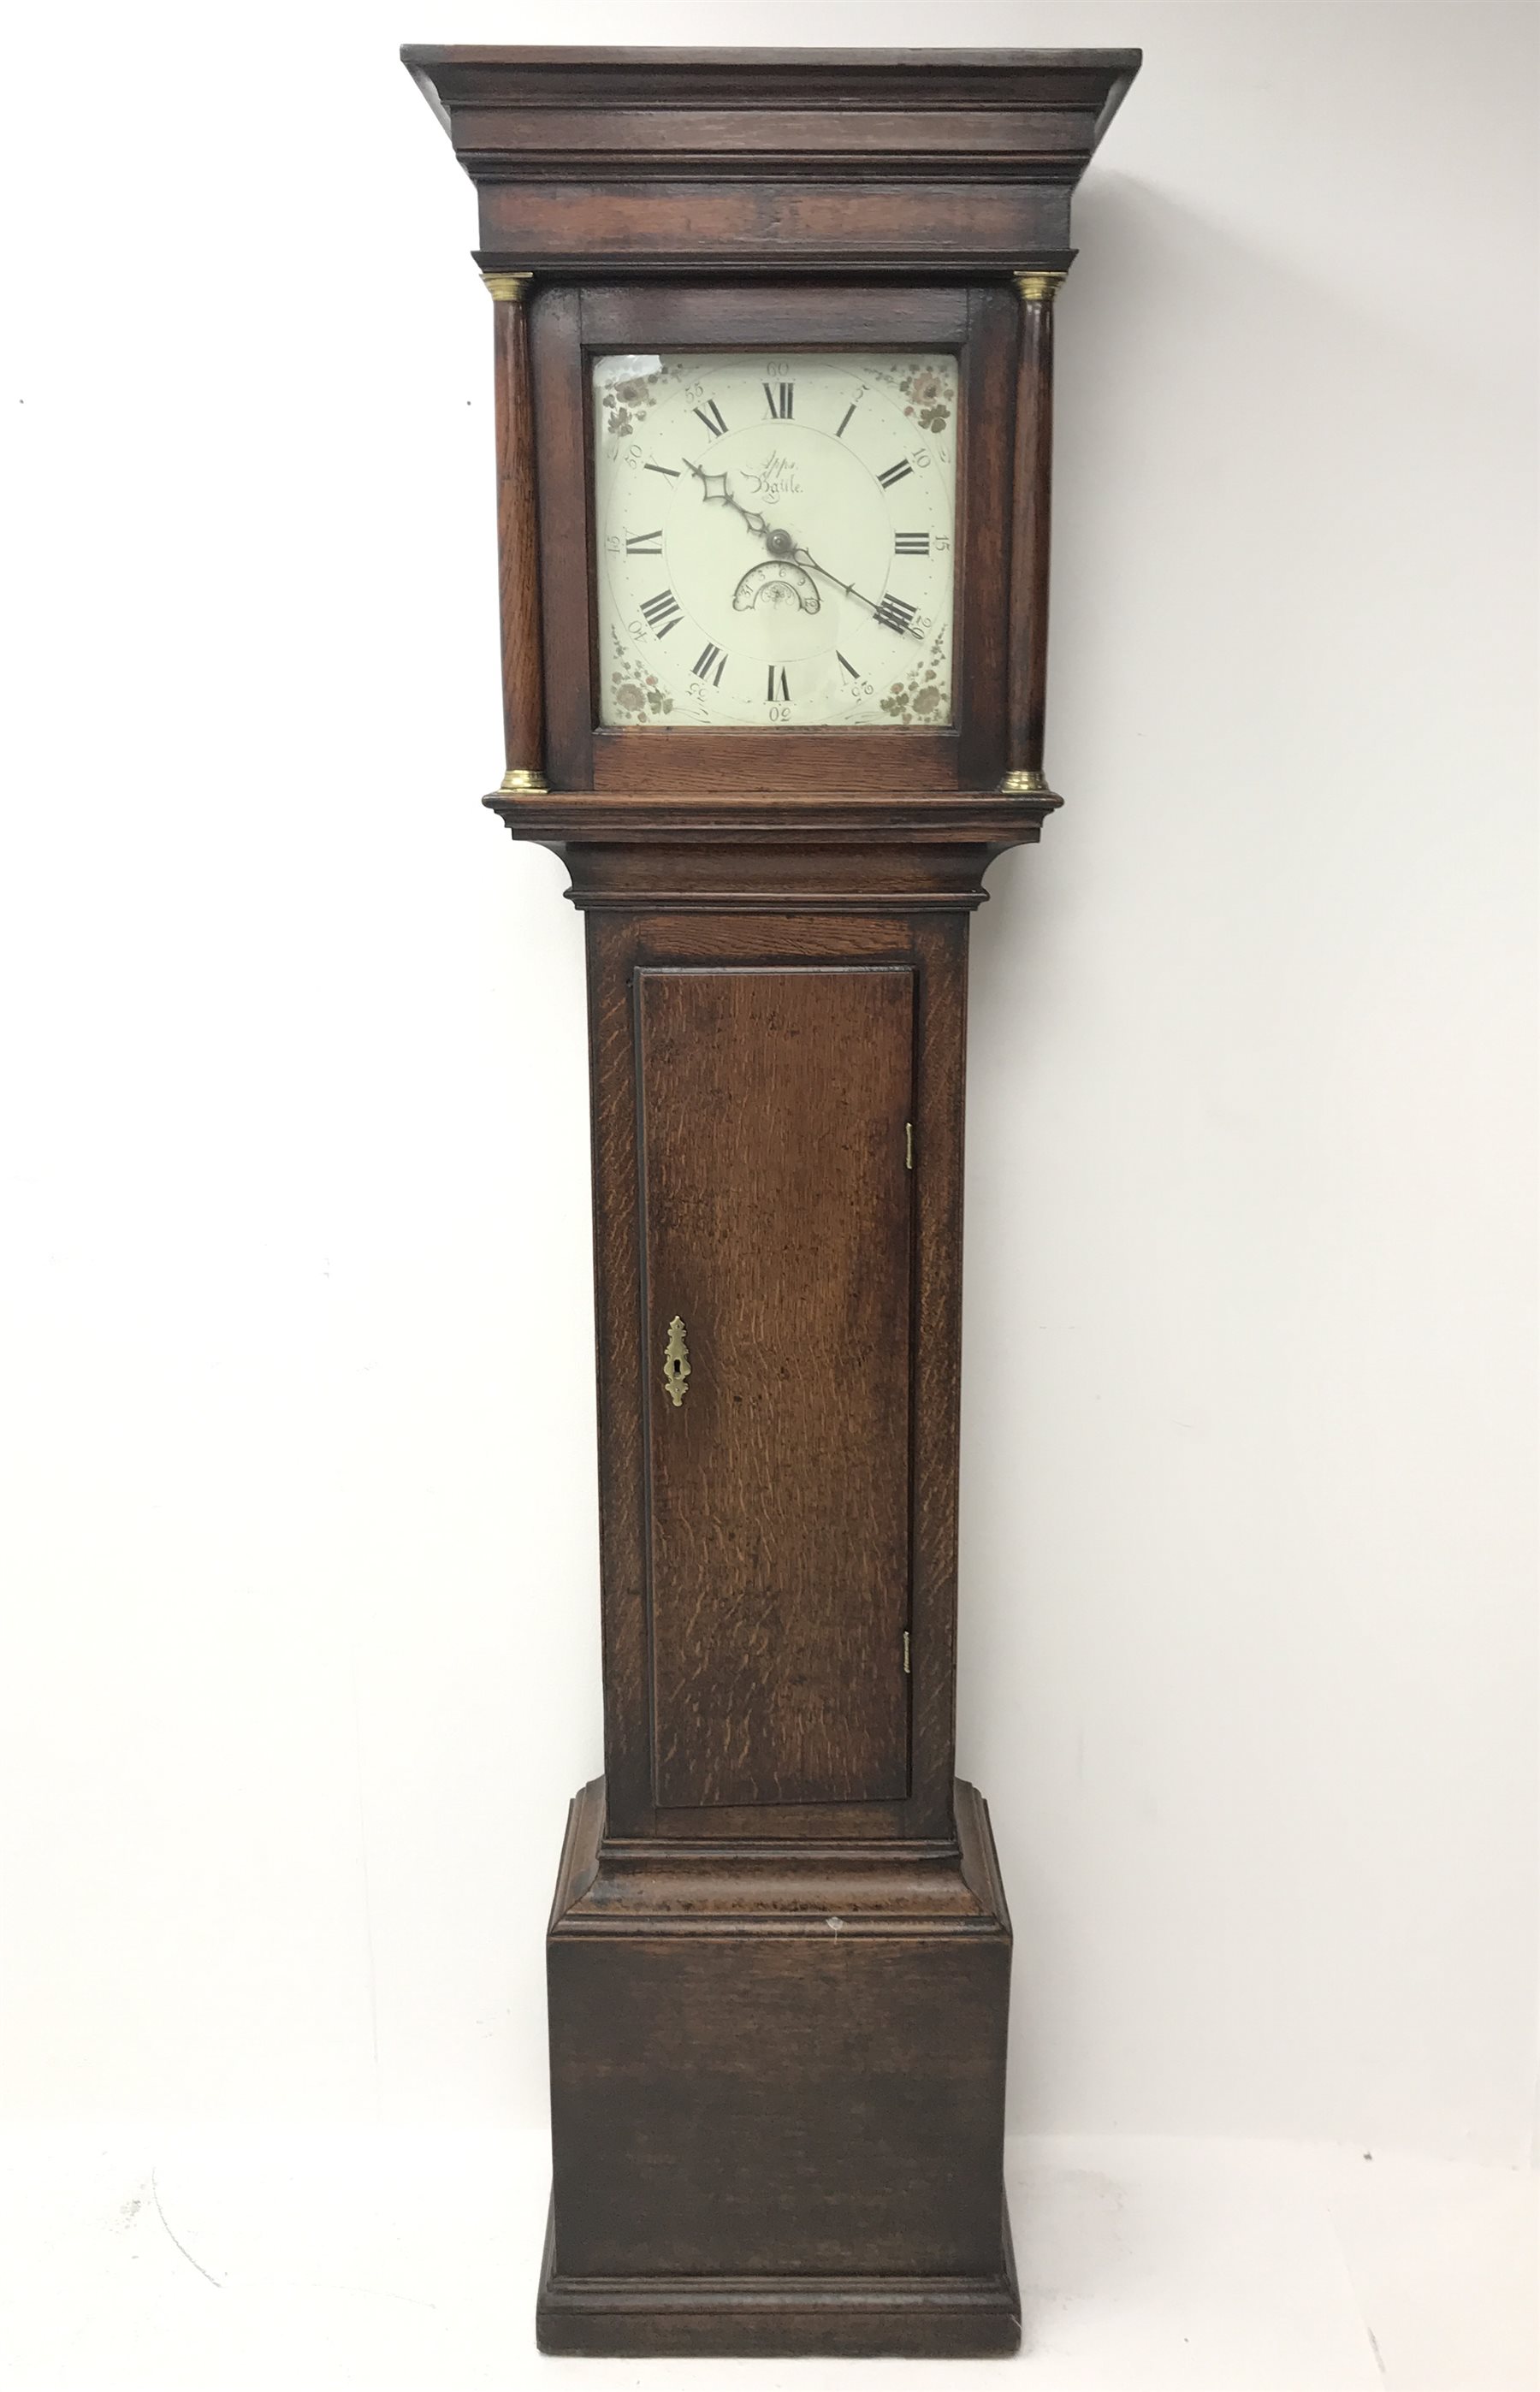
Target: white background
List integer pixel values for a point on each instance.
(299, 1503)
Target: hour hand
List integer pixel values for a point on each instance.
(707, 479)
(756, 524)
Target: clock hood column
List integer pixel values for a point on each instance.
(518, 575)
(1029, 546)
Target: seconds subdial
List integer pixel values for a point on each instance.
(776, 582)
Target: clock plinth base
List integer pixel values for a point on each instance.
(777, 2317)
(778, 2098)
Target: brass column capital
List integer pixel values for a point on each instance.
(1039, 283)
(510, 287)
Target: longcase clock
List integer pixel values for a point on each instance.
(772, 353)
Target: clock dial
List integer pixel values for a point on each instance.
(776, 539)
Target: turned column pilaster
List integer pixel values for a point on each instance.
(517, 556)
(1036, 288)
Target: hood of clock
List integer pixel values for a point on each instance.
(619, 161)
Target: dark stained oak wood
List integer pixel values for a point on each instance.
(775, 1201)
(984, 538)
(889, 827)
(759, 315)
(863, 2043)
(779, 1953)
(722, 2042)
(929, 955)
(622, 1359)
(518, 577)
(781, 2317)
(1029, 554)
(915, 762)
(695, 139)
(561, 418)
(750, 162)
(733, 227)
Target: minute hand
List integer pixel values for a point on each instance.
(805, 557)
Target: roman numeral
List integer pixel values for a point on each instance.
(784, 407)
(712, 417)
(896, 613)
(896, 473)
(662, 612)
(911, 543)
(778, 674)
(848, 666)
(645, 543)
(710, 653)
(844, 420)
(671, 471)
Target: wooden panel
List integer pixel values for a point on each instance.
(936, 951)
(522, 143)
(781, 2103)
(776, 1225)
(618, 1361)
(647, 759)
(750, 228)
(842, 314)
(941, 947)
(811, 2098)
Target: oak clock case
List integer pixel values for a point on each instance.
(773, 349)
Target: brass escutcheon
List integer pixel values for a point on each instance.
(676, 1363)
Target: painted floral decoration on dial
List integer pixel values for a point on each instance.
(776, 539)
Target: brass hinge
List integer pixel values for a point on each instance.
(908, 1146)
(906, 1652)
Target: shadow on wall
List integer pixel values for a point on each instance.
(1228, 1029)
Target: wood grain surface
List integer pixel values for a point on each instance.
(518, 571)
(629, 936)
(779, 2130)
(777, 1201)
(621, 163)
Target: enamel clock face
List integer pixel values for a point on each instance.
(776, 539)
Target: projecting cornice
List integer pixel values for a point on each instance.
(630, 161)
